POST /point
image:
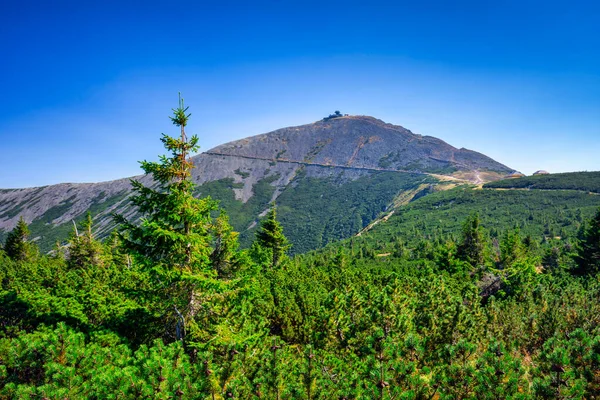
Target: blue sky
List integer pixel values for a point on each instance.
(87, 87)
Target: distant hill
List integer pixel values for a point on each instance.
(538, 213)
(546, 215)
(585, 181)
(330, 179)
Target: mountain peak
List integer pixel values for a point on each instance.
(360, 141)
(359, 118)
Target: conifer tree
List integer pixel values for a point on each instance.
(84, 250)
(512, 248)
(270, 236)
(588, 250)
(17, 244)
(472, 247)
(225, 245)
(174, 229)
(498, 374)
(174, 237)
(517, 267)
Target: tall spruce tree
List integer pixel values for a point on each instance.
(270, 236)
(17, 244)
(588, 249)
(173, 239)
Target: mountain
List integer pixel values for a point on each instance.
(330, 179)
(360, 142)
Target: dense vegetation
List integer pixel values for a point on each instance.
(314, 211)
(544, 216)
(171, 308)
(584, 181)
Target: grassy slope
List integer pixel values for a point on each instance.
(241, 215)
(314, 211)
(584, 181)
(536, 212)
(46, 234)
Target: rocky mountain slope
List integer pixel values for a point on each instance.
(330, 179)
(360, 142)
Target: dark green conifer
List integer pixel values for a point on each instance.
(84, 250)
(175, 237)
(588, 250)
(17, 245)
(472, 248)
(224, 245)
(175, 228)
(512, 248)
(270, 236)
(499, 375)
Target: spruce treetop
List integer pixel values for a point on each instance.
(174, 229)
(177, 238)
(17, 244)
(270, 236)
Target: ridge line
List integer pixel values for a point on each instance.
(283, 160)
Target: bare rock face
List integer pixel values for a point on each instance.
(343, 149)
(362, 142)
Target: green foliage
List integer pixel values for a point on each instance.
(241, 215)
(175, 237)
(174, 231)
(512, 248)
(271, 238)
(584, 181)
(315, 212)
(550, 217)
(330, 324)
(61, 363)
(224, 246)
(17, 245)
(588, 251)
(48, 290)
(499, 375)
(472, 245)
(83, 249)
(241, 173)
(569, 367)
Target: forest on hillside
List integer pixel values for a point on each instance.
(457, 307)
(583, 181)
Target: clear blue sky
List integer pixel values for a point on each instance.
(86, 87)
